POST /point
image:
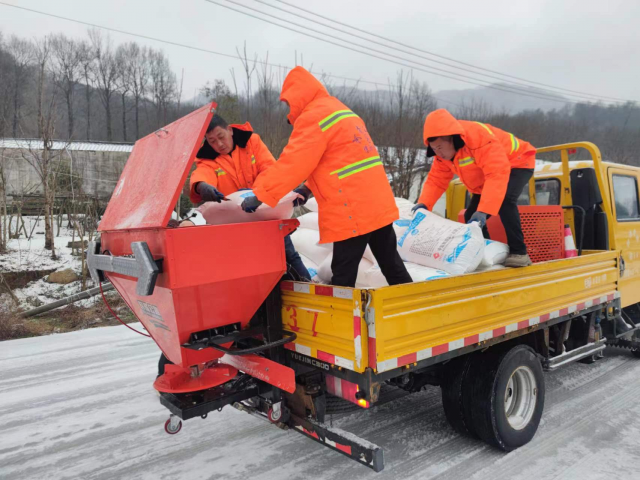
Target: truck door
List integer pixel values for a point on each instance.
(626, 209)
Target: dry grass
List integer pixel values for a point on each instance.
(65, 319)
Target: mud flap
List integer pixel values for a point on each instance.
(362, 451)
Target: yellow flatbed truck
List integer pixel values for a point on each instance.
(485, 338)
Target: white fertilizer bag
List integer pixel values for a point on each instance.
(400, 226)
(309, 220)
(404, 207)
(436, 242)
(306, 242)
(495, 253)
(312, 204)
(419, 273)
(325, 273)
(231, 211)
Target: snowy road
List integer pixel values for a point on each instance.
(80, 406)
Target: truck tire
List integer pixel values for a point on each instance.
(455, 398)
(507, 387)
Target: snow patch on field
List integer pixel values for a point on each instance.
(25, 255)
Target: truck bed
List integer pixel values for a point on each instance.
(387, 328)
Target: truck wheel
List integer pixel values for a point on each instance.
(636, 352)
(508, 390)
(455, 399)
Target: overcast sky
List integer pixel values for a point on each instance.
(589, 45)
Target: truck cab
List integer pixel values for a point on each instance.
(582, 194)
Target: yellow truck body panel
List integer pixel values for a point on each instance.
(389, 327)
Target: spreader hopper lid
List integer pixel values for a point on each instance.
(152, 179)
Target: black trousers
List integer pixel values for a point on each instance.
(348, 253)
(509, 213)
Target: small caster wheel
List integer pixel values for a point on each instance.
(274, 415)
(172, 426)
(277, 413)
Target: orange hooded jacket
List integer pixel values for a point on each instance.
(229, 173)
(331, 149)
(483, 164)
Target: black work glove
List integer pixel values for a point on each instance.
(305, 192)
(209, 193)
(479, 217)
(251, 204)
(417, 206)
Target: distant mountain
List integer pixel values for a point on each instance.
(500, 100)
(492, 99)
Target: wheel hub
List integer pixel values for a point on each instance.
(520, 397)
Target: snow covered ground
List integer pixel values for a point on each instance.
(30, 255)
(80, 405)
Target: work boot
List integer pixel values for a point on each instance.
(514, 260)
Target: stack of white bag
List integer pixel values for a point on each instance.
(316, 256)
(230, 211)
(432, 247)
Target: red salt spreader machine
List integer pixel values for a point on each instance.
(206, 295)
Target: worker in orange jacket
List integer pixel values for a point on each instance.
(231, 158)
(331, 149)
(493, 164)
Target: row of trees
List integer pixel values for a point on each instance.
(97, 91)
(61, 88)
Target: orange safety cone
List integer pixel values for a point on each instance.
(569, 244)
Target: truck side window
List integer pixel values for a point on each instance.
(625, 194)
(548, 191)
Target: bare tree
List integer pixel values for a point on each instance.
(5, 225)
(6, 67)
(163, 82)
(249, 67)
(137, 67)
(105, 72)
(67, 69)
(86, 58)
(42, 52)
(22, 53)
(45, 160)
(123, 83)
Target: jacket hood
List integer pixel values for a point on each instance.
(241, 136)
(300, 88)
(440, 123)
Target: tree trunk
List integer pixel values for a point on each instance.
(137, 117)
(70, 114)
(124, 118)
(40, 100)
(88, 95)
(107, 107)
(15, 109)
(48, 224)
